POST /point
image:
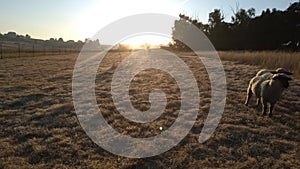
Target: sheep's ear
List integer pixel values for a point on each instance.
(274, 72)
(288, 78)
(275, 77)
(289, 73)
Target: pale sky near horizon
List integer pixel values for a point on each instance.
(80, 19)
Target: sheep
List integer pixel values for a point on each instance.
(270, 72)
(267, 75)
(255, 87)
(267, 90)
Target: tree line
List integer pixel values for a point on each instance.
(13, 44)
(13, 37)
(272, 30)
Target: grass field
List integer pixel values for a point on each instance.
(39, 127)
(31, 54)
(266, 59)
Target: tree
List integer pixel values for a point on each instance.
(215, 18)
(294, 8)
(243, 17)
(245, 31)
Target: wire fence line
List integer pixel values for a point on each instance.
(20, 49)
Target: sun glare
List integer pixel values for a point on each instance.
(104, 12)
(141, 41)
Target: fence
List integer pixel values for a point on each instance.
(20, 49)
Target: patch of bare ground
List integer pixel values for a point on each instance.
(39, 127)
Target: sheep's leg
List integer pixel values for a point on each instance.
(257, 101)
(264, 107)
(271, 109)
(249, 94)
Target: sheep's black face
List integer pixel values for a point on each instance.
(284, 80)
(285, 83)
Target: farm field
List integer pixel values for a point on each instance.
(39, 126)
(266, 59)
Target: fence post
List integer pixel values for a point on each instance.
(1, 50)
(19, 45)
(33, 50)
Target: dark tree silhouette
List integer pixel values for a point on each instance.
(272, 30)
(215, 18)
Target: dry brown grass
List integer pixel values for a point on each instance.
(266, 59)
(39, 128)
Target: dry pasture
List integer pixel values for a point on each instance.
(266, 59)
(39, 127)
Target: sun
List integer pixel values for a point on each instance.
(100, 14)
(146, 41)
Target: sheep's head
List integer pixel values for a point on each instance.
(284, 71)
(284, 79)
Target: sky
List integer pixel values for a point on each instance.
(80, 19)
